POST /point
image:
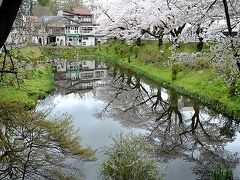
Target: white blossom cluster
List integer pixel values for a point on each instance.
(184, 57)
(128, 19)
(224, 56)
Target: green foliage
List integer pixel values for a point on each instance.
(107, 48)
(32, 147)
(39, 82)
(122, 51)
(201, 63)
(227, 131)
(128, 55)
(234, 87)
(116, 49)
(70, 53)
(222, 174)
(149, 53)
(43, 2)
(176, 68)
(135, 50)
(30, 54)
(34, 84)
(128, 158)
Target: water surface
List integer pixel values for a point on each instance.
(104, 101)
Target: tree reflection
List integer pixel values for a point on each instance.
(34, 148)
(178, 129)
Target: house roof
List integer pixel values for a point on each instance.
(57, 21)
(82, 11)
(34, 19)
(48, 18)
(61, 21)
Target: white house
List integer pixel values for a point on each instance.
(79, 32)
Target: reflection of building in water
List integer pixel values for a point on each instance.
(78, 75)
(79, 70)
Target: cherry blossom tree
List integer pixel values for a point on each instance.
(130, 19)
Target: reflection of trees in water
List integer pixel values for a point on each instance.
(191, 132)
(209, 160)
(34, 148)
(127, 99)
(196, 139)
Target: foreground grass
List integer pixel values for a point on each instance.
(201, 85)
(34, 84)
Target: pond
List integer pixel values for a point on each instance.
(104, 100)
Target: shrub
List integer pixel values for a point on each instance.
(176, 68)
(222, 174)
(116, 49)
(136, 51)
(129, 158)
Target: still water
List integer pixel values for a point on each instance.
(104, 101)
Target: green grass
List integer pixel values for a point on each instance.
(28, 53)
(35, 85)
(201, 85)
(69, 52)
(222, 174)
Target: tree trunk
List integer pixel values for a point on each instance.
(139, 42)
(227, 17)
(30, 8)
(8, 13)
(200, 44)
(160, 42)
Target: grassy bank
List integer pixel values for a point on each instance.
(69, 53)
(34, 84)
(34, 77)
(152, 62)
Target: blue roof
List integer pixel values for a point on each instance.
(47, 18)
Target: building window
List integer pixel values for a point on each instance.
(97, 74)
(87, 29)
(87, 75)
(57, 39)
(87, 19)
(67, 30)
(84, 43)
(76, 30)
(85, 38)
